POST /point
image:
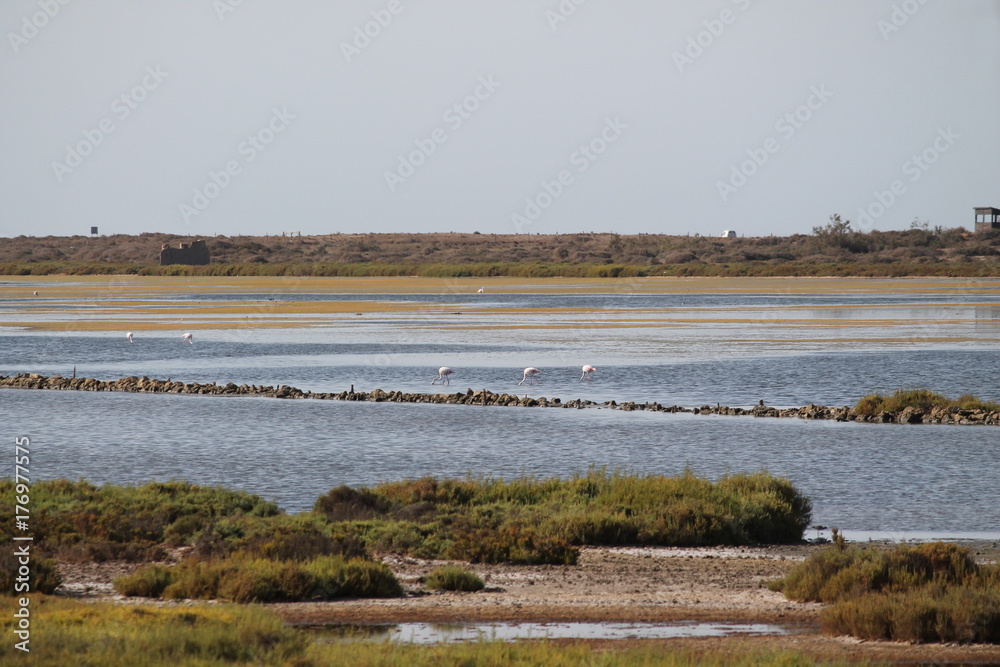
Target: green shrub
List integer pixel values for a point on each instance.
(78, 521)
(346, 504)
(932, 592)
(845, 572)
(923, 400)
(453, 578)
(930, 613)
(243, 579)
(534, 520)
(147, 582)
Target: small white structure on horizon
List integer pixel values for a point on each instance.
(728, 234)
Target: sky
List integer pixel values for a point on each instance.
(205, 117)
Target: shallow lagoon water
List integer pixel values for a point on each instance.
(436, 633)
(688, 349)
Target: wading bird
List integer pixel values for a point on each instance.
(442, 375)
(129, 336)
(529, 374)
(188, 337)
(478, 291)
(587, 370)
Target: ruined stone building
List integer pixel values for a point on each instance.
(195, 253)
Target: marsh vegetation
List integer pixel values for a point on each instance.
(239, 547)
(933, 592)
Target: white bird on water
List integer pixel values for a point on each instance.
(188, 337)
(587, 370)
(442, 375)
(129, 336)
(478, 291)
(529, 374)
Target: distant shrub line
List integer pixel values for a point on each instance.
(932, 592)
(516, 269)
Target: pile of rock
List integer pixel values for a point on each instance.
(486, 397)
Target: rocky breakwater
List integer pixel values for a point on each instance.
(134, 384)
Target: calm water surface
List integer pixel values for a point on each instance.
(674, 349)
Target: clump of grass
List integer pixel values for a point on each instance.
(926, 593)
(843, 572)
(923, 400)
(454, 578)
(533, 520)
(243, 580)
(146, 582)
(70, 632)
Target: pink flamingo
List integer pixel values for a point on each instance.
(129, 336)
(529, 374)
(587, 370)
(442, 375)
(188, 337)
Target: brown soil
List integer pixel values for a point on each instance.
(722, 585)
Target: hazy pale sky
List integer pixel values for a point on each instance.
(207, 117)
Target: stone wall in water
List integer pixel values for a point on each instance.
(134, 384)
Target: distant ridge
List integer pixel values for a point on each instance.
(911, 252)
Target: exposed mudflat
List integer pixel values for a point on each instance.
(719, 585)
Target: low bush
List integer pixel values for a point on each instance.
(928, 593)
(78, 521)
(453, 578)
(244, 580)
(929, 613)
(920, 399)
(848, 571)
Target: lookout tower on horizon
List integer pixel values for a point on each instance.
(987, 218)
